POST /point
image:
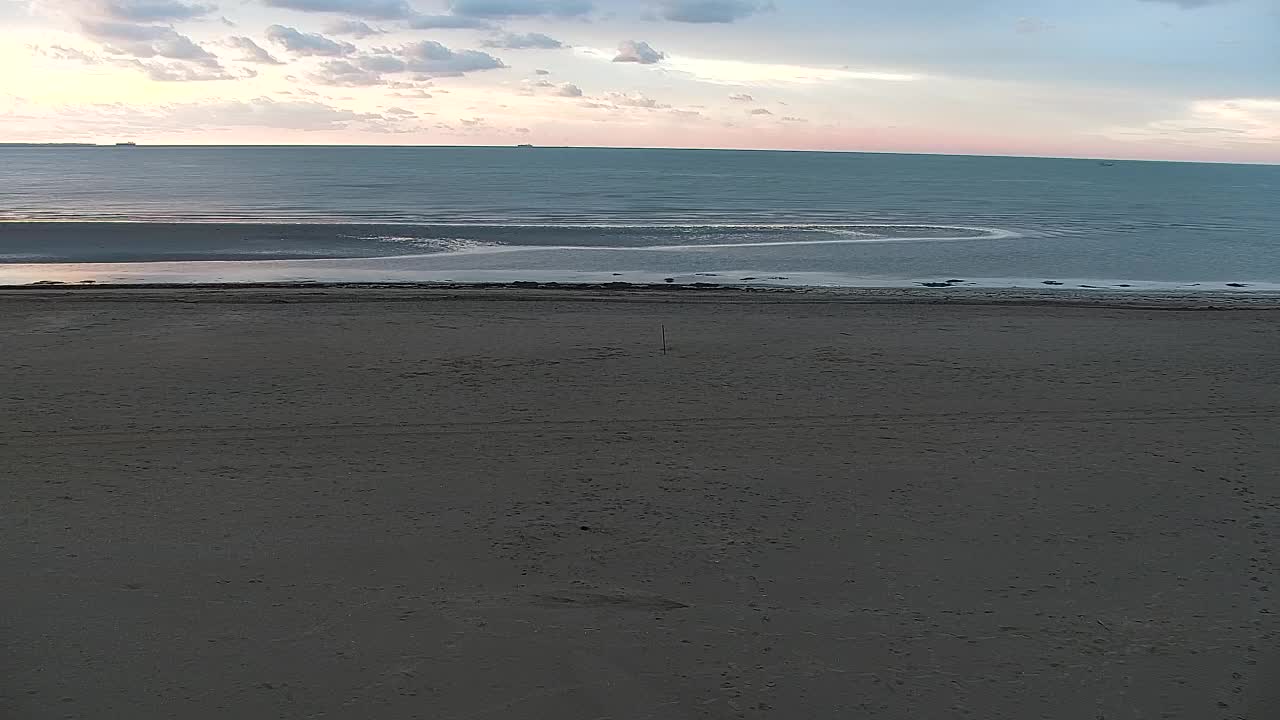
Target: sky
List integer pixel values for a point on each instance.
(1149, 79)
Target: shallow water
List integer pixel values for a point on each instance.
(192, 214)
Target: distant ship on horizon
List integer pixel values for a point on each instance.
(525, 145)
(126, 144)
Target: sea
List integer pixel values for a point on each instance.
(575, 215)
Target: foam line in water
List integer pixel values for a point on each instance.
(461, 247)
(991, 235)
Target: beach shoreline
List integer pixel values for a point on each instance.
(690, 504)
(321, 292)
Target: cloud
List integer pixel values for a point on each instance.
(759, 111)
(742, 97)
(375, 9)
(1211, 131)
(523, 41)
(381, 64)
(352, 28)
(448, 22)
(709, 11)
(181, 72)
(742, 73)
(400, 111)
(1234, 120)
(301, 43)
(540, 71)
(637, 100)
(251, 51)
(425, 59)
(58, 52)
(529, 85)
(1258, 118)
(153, 10)
(147, 41)
(345, 74)
(503, 9)
(569, 90)
(264, 112)
(198, 118)
(632, 51)
(164, 54)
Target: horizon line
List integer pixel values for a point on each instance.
(131, 146)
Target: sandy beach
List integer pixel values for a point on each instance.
(511, 503)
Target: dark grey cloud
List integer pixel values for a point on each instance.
(524, 41)
(252, 52)
(381, 64)
(448, 22)
(430, 57)
(634, 51)
(500, 9)
(710, 11)
(375, 9)
(300, 43)
(352, 28)
(147, 41)
(154, 10)
(540, 71)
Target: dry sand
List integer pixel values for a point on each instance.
(437, 504)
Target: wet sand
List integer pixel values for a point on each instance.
(506, 503)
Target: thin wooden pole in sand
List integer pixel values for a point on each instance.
(664, 339)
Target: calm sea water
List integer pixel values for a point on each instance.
(198, 214)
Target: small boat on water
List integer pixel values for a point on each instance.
(1106, 163)
(524, 145)
(126, 144)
